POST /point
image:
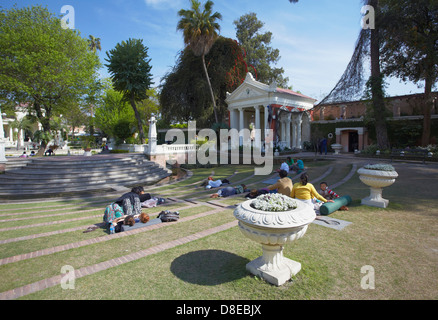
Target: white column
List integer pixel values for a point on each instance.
(2, 141)
(288, 123)
(241, 125)
(11, 134)
(233, 123)
(258, 134)
(299, 123)
(294, 133)
(281, 130)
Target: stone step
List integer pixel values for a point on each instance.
(74, 170)
(112, 176)
(78, 175)
(61, 187)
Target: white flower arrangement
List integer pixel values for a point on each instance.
(274, 203)
(381, 167)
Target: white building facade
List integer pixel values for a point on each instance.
(287, 113)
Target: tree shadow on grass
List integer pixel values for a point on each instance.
(209, 267)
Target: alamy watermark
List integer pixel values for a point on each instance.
(369, 18)
(68, 21)
(68, 281)
(369, 280)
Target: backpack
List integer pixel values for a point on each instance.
(167, 216)
(112, 212)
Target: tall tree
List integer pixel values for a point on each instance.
(410, 47)
(184, 88)
(376, 83)
(351, 82)
(259, 53)
(131, 74)
(200, 30)
(94, 43)
(43, 64)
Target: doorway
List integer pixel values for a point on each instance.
(353, 141)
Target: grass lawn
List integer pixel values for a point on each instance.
(400, 243)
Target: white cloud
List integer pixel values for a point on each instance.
(164, 4)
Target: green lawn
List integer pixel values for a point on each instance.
(400, 243)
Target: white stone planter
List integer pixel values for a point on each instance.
(87, 153)
(273, 230)
(376, 180)
(337, 147)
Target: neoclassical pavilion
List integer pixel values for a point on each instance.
(284, 111)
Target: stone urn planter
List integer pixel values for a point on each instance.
(273, 230)
(337, 147)
(377, 177)
(87, 152)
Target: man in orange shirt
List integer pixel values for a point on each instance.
(284, 185)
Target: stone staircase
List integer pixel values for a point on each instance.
(53, 176)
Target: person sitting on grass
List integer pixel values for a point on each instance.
(130, 202)
(306, 192)
(290, 162)
(229, 191)
(299, 166)
(329, 194)
(284, 166)
(284, 185)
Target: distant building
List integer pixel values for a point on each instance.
(356, 137)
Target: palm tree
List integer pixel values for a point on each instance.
(200, 29)
(94, 43)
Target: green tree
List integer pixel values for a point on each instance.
(200, 30)
(410, 47)
(112, 109)
(184, 89)
(130, 72)
(376, 83)
(43, 64)
(259, 52)
(94, 43)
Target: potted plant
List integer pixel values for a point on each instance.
(274, 220)
(86, 145)
(377, 177)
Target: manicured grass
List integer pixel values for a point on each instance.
(399, 243)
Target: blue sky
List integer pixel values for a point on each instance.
(316, 38)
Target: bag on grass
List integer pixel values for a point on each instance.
(167, 216)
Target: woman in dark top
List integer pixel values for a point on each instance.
(131, 202)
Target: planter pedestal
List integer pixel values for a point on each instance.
(273, 266)
(273, 230)
(375, 199)
(376, 180)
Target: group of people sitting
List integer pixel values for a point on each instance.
(127, 210)
(291, 166)
(303, 191)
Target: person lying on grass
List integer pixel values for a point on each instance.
(229, 191)
(211, 183)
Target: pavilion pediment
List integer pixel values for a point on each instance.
(254, 93)
(247, 92)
